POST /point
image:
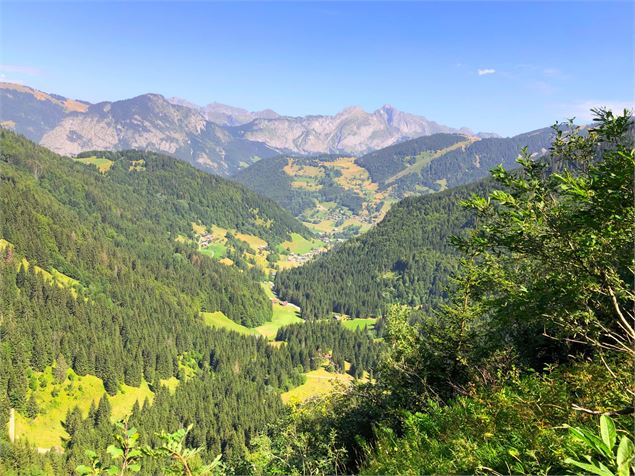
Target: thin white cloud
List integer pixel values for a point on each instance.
(485, 71)
(20, 69)
(582, 110)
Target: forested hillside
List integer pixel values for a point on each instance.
(407, 258)
(443, 160)
(384, 163)
(528, 367)
(92, 278)
(344, 196)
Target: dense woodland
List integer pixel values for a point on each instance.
(128, 306)
(528, 367)
(384, 163)
(464, 165)
(407, 258)
(313, 342)
(524, 368)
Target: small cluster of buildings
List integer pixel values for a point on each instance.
(205, 240)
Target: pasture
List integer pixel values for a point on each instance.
(221, 321)
(103, 165)
(318, 382)
(300, 245)
(360, 323)
(54, 400)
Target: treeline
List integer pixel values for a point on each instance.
(314, 342)
(406, 259)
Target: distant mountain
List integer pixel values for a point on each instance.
(148, 122)
(226, 115)
(31, 112)
(217, 138)
(352, 131)
(342, 196)
(151, 122)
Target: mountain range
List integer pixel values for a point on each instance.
(217, 138)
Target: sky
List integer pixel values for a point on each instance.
(506, 67)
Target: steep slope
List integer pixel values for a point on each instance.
(459, 165)
(384, 163)
(352, 131)
(144, 203)
(217, 138)
(147, 122)
(32, 112)
(150, 122)
(406, 258)
(93, 277)
(329, 193)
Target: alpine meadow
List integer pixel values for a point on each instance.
(284, 284)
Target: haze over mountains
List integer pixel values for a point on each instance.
(218, 138)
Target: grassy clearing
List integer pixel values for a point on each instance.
(253, 241)
(219, 320)
(300, 245)
(198, 228)
(54, 400)
(325, 226)
(294, 170)
(137, 165)
(103, 165)
(215, 250)
(306, 184)
(318, 382)
(123, 402)
(363, 323)
(171, 383)
(282, 316)
(54, 277)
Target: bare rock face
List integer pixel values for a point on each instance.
(352, 131)
(225, 115)
(147, 122)
(217, 137)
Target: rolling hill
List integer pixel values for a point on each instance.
(342, 196)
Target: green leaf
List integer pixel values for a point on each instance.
(113, 470)
(115, 452)
(591, 440)
(134, 453)
(607, 430)
(625, 455)
(83, 469)
(591, 468)
(135, 467)
(91, 454)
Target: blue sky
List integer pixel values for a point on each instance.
(503, 66)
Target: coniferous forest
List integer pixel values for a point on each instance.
(317, 238)
(506, 342)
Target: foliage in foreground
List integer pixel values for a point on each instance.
(127, 455)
